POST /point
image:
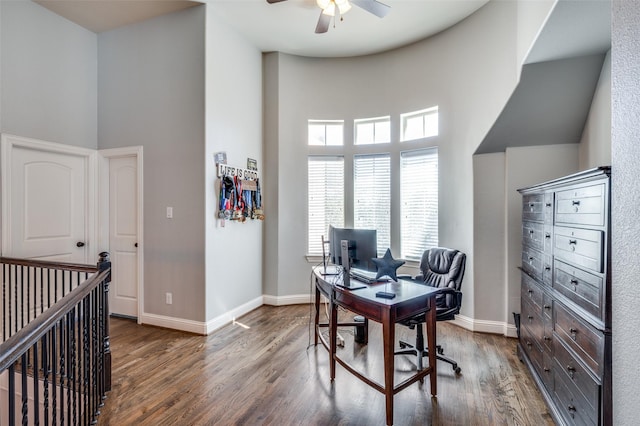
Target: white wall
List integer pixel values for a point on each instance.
(532, 14)
(489, 236)
(48, 76)
(595, 144)
(525, 167)
(152, 93)
(625, 187)
(469, 71)
(233, 125)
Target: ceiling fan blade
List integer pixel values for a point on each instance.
(274, 1)
(323, 23)
(373, 6)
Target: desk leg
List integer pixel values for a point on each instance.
(333, 335)
(388, 339)
(430, 323)
(317, 317)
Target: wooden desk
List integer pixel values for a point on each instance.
(411, 299)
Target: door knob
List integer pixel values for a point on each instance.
(79, 244)
(136, 244)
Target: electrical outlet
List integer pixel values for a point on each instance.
(169, 212)
(169, 298)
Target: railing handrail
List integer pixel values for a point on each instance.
(27, 336)
(79, 267)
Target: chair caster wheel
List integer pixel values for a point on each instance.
(440, 351)
(402, 345)
(457, 370)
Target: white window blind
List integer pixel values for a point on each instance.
(371, 190)
(326, 198)
(419, 198)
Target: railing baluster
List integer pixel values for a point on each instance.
(36, 385)
(45, 373)
(12, 394)
(25, 391)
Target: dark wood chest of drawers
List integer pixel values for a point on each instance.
(565, 316)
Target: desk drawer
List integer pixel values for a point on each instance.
(583, 339)
(533, 207)
(581, 206)
(582, 247)
(583, 288)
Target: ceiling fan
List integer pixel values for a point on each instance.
(330, 7)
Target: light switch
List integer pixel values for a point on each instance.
(169, 212)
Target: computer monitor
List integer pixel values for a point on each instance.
(363, 246)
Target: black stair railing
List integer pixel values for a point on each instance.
(55, 360)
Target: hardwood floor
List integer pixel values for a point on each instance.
(268, 374)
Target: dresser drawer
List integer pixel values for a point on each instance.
(570, 402)
(576, 374)
(533, 235)
(582, 247)
(532, 262)
(583, 288)
(533, 207)
(583, 339)
(531, 290)
(531, 318)
(581, 206)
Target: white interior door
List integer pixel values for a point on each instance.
(123, 235)
(46, 189)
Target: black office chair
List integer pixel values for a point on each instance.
(442, 268)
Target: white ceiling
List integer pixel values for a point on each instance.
(287, 26)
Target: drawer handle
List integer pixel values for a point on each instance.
(547, 306)
(573, 332)
(529, 344)
(532, 205)
(530, 258)
(575, 203)
(546, 369)
(530, 317)
(573, 242)
(546, 338)
(531, 231)
(530, 292)
(572, 410)
(547, 268)
(547, 235)
(548, 204)
(571, 370)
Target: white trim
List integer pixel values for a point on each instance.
(226, 318)
(7, 143)
(189, 326)
(105, 156)
(288, 300)
(484, 326)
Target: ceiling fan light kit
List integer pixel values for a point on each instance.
(329, 10)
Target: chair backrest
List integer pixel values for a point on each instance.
(444, 267)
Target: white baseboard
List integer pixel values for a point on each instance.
(482, 326)
(199, 327)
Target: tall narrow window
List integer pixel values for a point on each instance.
(419, 124)
(372, 130)
(371, 203)
(326, 198)
(419, 199)
(326, 132)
